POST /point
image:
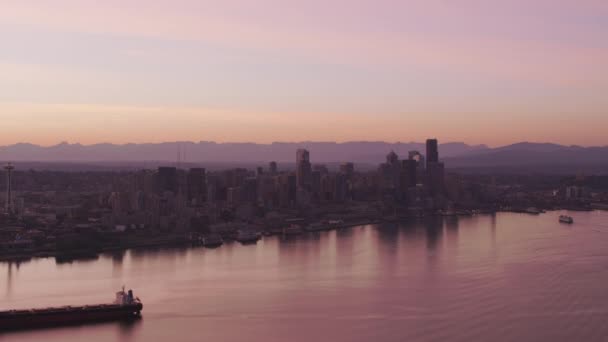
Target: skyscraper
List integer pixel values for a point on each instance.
(408, 173)
(303, 169)
(435, 170)
(197, 184)
(273, 168)
(432, 151)
(392, 158)
(436, 178)
(9, 203)
(166, 179)
(391, 171)
(348, 169)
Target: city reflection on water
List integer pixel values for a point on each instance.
(498, 277)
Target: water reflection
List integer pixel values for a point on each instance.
(9, 279)
(117, 262)
(451, 231)
(70, 259)
(128, 329)
(434, 232)
(430, 279)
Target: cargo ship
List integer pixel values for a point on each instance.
(124, 307)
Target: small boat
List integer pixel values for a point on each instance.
(245, 236)
(533, 211)
(566, 219)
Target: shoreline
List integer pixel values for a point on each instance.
(181, 240)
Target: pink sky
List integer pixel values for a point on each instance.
(491, 72)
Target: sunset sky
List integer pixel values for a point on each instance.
(478, 71)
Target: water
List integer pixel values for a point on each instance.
(508, 277)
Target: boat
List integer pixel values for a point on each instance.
(533, 211)
(245, 236)
(566, 219)
(212, 240)
(124, 307)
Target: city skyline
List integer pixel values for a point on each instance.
(288, 170)
(478, 72)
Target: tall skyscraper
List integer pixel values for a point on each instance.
(302, 155)
(435, 171)
(166, 179)
(9, 199)
(303, 169)
(432, 151)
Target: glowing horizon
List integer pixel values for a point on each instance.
(480, 72)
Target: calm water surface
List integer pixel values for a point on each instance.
(508, 277)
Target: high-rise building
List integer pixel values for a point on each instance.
(197, 184)
(287, 189)
(302, 155)
(9, 196)
(303, 169)
(432, 151)
(249, 190)
(435, 171)
(233, 195)
(292, 187)
(392, 158)
(267, 190)
(212, 189)
(166, 179)
(340, 187)
(418, 157)
(347, 169)
(436, 178)
(408, 173)
(316, 185)
(390, 172)
(322, 168)
(273, 168)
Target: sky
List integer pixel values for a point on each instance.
(478, 71)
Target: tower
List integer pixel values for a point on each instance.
(432, 151)
(435, 170)
(9, 204)
(303, 169)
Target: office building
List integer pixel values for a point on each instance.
(197, 185)
(303, 170)
(432, 151)
(166, 179)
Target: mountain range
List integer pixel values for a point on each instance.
(204, 151)
(456, 155)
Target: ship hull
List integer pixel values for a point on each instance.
(50, 317)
